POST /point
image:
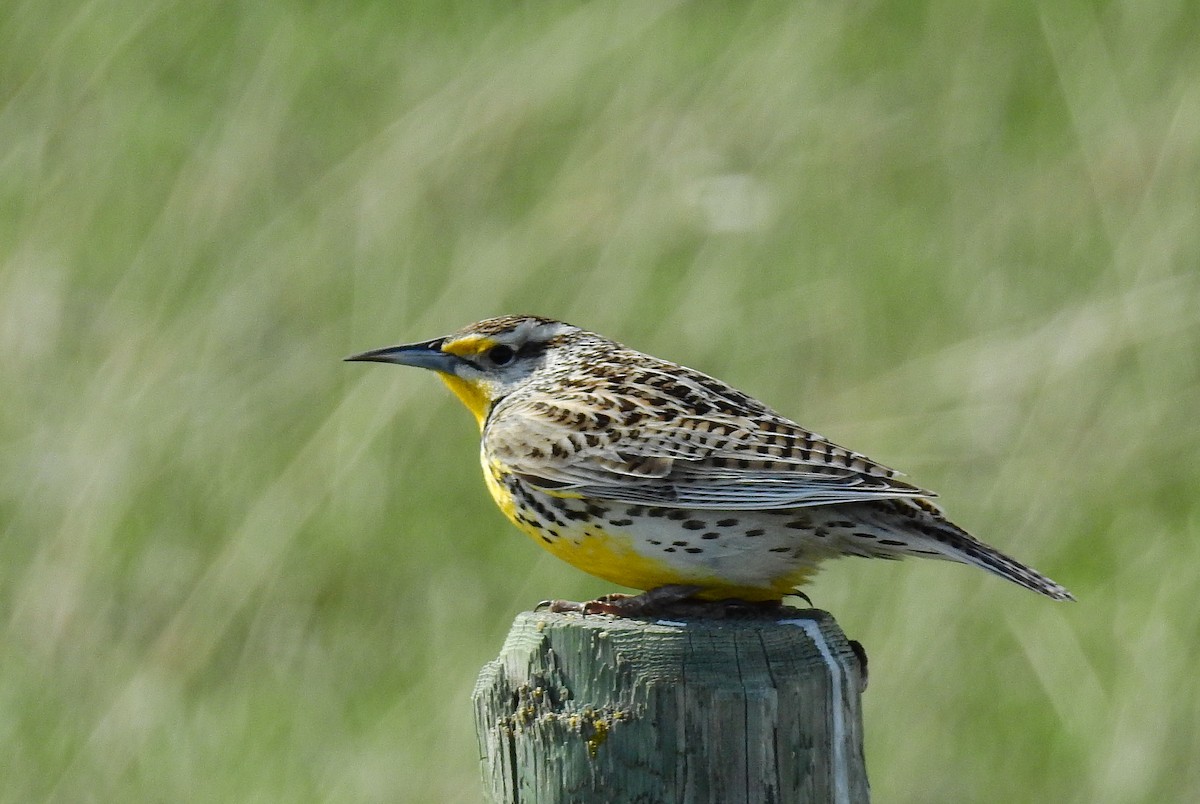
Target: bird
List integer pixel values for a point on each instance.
(657, 477)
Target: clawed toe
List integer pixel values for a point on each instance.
(802, 596)
(561, 606)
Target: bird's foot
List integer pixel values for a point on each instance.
(652, 602)
(666, 601)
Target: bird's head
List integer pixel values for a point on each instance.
(485, 361)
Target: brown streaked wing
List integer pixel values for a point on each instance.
(616, 447)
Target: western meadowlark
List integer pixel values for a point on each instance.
(657, 477)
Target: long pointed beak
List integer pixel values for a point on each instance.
(427, 355)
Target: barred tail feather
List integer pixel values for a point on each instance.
(958, 545)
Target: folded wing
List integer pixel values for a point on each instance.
(692, 445)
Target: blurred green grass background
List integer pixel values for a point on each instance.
(963, 238)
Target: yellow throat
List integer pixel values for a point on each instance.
(472, 394)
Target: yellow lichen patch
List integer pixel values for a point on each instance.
(598, 736)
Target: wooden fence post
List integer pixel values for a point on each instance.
(598, 709)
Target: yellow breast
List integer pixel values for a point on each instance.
(600, 552)
(599, 549)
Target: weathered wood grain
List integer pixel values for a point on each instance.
(597, 709)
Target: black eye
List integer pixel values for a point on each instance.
(501, 355)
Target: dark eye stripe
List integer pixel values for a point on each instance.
(531, 349)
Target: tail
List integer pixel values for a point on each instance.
(957, 545)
